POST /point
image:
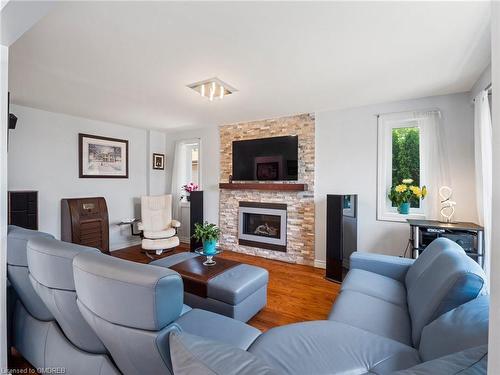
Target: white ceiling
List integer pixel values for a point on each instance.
(129, 63)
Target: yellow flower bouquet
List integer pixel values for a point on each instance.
(403, 194)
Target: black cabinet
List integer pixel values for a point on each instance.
(195, 216)
(341, 233)
(23, 209)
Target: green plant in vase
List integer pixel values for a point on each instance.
(403, 194)
(208, 234)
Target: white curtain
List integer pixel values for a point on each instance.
(484, 169)
(178, 177)
(436, 160)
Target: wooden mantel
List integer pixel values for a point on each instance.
(263, 186)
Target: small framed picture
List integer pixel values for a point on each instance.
(102, 157)
(158, 161)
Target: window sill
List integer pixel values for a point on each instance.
(399, 218)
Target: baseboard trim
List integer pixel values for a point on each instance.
(122, 245)
(320, 263)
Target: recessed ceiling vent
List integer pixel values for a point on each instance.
(212, 88)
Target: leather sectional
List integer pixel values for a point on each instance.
(393, 315)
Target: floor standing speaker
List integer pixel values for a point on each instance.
(195, 216)
(341, 234)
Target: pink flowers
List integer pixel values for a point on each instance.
(189, 188)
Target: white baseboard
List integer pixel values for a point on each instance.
(122, 245)
(320, 263)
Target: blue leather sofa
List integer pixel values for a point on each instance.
(393, 316)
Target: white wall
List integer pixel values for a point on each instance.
(483, 82)
(4, 76)
(209, 162)
(346, 162)
(157, 178)
(43, 156)
(494, 328)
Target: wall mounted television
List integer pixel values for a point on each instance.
(266, 159)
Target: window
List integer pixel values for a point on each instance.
(402, 146)
(187, 167)
(192, 163)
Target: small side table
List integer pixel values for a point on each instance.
(131, 223)
(210, 261)
(469, 236)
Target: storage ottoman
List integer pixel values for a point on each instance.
(239, 292)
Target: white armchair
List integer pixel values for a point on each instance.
(159, 230)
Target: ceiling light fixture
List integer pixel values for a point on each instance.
(212, 88)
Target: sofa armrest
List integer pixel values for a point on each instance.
(175, 224)
(385, 265)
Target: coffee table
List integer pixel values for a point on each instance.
(229, 288)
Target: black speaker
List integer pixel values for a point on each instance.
(12, 121)
(341, 234)
(195, 216)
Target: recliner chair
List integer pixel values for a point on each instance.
(79, 351)
(133, 308)
(159, 231)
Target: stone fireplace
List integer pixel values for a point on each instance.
(262, 225)
(296, 208)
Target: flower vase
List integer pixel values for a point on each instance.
(404, 208)
(209, 247)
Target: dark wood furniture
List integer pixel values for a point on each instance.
(23, 209)
(341, 234)
(263, 186)
(469, 236)
(195, 216)
(84, 221)
(196, 276)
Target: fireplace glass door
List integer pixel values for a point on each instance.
(262, 225)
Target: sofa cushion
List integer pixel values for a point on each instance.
(375, 285)
(372, 314)
(51, 262)
(472, 361)
(130, 294)
(432, 251)
(17, 239)
(192, 354)
(17, 270)
(450, 280)
(167, 233)
(218, 327)
(461, 328)
(325, 347)
(173, 259)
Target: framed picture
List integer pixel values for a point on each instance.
(102, 157)
(158, 161)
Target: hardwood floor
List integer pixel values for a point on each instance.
(296, 293)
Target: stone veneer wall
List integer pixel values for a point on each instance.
(300, 205)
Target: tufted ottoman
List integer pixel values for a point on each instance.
(239, 292)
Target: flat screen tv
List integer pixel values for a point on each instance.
(266, 159)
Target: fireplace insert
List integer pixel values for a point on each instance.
(262, 225)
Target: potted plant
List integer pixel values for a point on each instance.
(403, 194)
(208, 234)
(189, 188)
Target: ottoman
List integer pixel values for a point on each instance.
(239, 292)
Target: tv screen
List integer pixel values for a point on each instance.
(266, 159)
